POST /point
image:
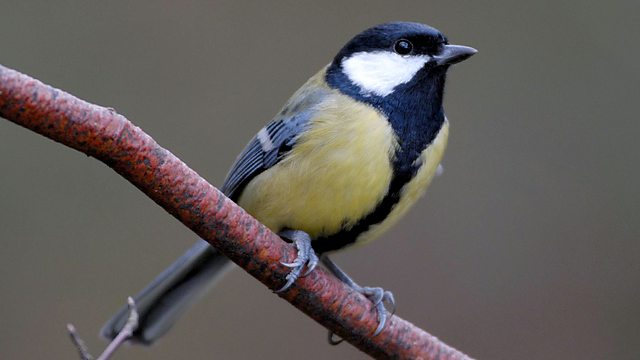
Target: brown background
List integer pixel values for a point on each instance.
(526, 248)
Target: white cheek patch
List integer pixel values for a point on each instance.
(379, 72)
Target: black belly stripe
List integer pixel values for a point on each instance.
(405, 167)
(349, 236)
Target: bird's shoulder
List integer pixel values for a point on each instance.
(279, 136)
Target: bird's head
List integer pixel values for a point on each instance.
(392, 56)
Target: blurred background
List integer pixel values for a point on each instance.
(526, 248)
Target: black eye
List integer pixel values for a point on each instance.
(403, 47)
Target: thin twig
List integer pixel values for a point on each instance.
(77, 341)
(130, 326)
(111, 138)
(125, 333)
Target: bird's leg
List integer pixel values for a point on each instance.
(306, 256)
(377, 295)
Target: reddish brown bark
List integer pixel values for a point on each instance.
(111, 138)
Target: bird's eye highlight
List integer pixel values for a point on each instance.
(403, 47)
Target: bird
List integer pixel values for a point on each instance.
(348, 154)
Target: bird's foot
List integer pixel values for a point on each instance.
(306, 257)
(378, 296)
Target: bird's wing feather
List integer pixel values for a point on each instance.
(274, 140)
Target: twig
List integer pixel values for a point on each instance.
(77, 341)
(109, 137)
(126, 332)
(128, 329)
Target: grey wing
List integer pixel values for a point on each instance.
(273, 141)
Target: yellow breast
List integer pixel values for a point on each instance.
(414, 189)
(338, 171)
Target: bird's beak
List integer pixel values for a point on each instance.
(453, 54)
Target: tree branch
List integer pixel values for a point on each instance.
(112, 139)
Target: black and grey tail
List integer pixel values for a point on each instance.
(171, 293)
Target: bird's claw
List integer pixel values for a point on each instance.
(379, 297)
(332, 340)
(291, 264)
(306, 258)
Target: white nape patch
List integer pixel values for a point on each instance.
(439, 170)
(379, 72)
(265, 140)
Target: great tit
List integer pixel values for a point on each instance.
(349, 153)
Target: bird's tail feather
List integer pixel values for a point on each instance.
(171, 293)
